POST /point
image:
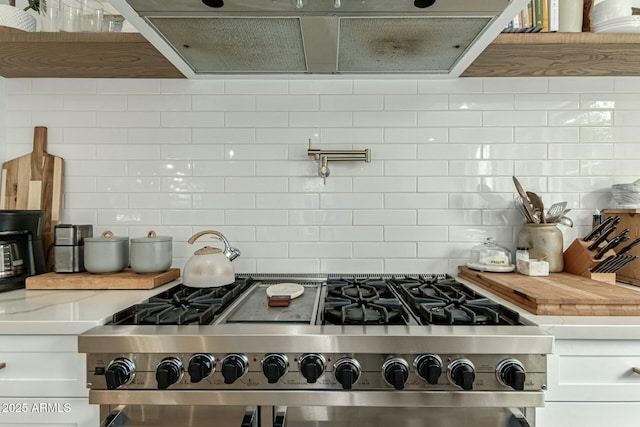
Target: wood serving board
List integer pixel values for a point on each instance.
(561, 294)
(127, 279)
(34, 182)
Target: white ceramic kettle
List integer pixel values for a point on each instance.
(210, 267)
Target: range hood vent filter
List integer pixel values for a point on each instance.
(405, 44)
(230, 45)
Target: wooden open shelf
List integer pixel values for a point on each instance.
(129, 55)
(559, 54)
(78, 55)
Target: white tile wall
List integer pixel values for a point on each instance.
(182, 156)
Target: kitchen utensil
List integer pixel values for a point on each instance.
(106, 254)
(602, 238)
(595, 232)
(626, 261)
(564, 220)
(521, 209)
(629, 246)
(538, 205)
(151, 254)
(602, 267)
(609, 246)
(525, 201)
(210, 267)
(291, 290)
(34, 182)
(556, 210)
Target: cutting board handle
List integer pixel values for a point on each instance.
(39, 141)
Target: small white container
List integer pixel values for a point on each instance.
(533, 267)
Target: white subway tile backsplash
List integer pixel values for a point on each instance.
(191, 119)
(416, 135)
(221, 200)
(223, 103)
(450, 151)
(287, 103)
(391, 87)
(181, 156)
(329, 86)
(351, 233)
(415, 102)
(159, 103)
(351, 201)
(352, 102)
(287, 233)
(481, 102)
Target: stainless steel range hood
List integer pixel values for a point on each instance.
(205, 37)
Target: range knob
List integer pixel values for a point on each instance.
(119, 372)
(201, 365)
(511, 372)
(274, 366)
(233, 366)
(396, 372)
(312, 366)
(347, 371)
(168, 372)
(462, 373)
(429, 367)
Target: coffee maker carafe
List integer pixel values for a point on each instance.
(21, 247)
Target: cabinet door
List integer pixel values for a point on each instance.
(594, 370)
(588, 414)
(49, 412)
(41, 366)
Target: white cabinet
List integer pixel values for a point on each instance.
(592, 384)
(43, 382)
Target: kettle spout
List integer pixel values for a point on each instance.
(232, 253)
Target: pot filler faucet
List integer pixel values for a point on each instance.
(336, 156)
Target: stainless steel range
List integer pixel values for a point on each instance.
(375, 350)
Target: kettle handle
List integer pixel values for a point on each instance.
(229, 252)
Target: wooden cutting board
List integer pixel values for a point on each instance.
(127, 279)
(561, 294)
(34, 182)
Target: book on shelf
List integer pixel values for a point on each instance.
(537, 16)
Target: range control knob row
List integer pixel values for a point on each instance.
(396, 372)
(462, 373)
(347, 371)
(511, 372)
(233, 366)
(429, 367)
(168, 372)
(312, 366)
(274, 366)
(119, 372)
(201, 365)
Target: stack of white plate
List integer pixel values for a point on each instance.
(615, 16)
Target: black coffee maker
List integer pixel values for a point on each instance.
(20, 247)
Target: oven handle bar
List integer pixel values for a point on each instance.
(495, 399)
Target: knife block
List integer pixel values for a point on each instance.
(629, 218)
(578, 259)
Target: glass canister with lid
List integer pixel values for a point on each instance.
(489, 256)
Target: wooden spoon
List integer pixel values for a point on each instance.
(536, 201)
(525, 201)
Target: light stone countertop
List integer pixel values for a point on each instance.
(65, 312)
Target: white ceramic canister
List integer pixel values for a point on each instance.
(545, 243)
(151, 254)
(106, 254)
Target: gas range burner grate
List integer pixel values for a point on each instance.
(182, 305)
(445, 301)
(366, 301)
